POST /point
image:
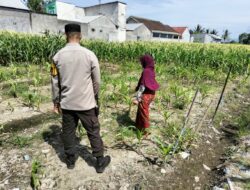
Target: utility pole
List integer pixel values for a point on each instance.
(100, 2)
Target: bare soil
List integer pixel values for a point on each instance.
(133, 166)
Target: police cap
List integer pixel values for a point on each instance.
(72, 28)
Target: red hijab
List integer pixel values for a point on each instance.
(148, 75)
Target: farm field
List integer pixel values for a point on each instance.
(30, 144)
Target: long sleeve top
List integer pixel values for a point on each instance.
(75, 78)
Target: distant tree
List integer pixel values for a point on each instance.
(36, 5)
(233, 42)
(244, 38)
(215, 32)
(225, 35)
(198, 29)
(207, 31)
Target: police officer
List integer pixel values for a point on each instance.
(75, 85)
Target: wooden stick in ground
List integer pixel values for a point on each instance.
(186, 120)
(222, 93)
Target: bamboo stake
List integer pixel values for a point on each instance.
(185, 122)
(222, 93)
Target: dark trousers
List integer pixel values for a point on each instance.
(91, 124)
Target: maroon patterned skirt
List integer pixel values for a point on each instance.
(142, 117)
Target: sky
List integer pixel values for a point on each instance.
(233, 15)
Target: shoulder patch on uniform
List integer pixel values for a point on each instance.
(53, 70)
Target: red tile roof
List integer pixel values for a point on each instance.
(180, 30)
(153, 24)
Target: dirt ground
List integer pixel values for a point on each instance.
(133, 166)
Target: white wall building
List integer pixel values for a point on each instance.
(137, 32)
(185, 35)
(159, 31)
(14, 16)
(104, 21)
(115, 12)
(206, 38)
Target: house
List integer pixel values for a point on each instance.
(104, 21)
(93, 27)
(137, 32)
(206, 38)
(159, 31)
(112, 24)
(14, 16)
(185, 35)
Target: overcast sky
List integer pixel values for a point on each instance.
(233, 15)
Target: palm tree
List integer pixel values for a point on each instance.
(215, 32)
(198, 29)
(225, 35)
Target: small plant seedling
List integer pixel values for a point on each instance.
(126, 132)
(36, 169)
(164, 148)
(204, 90)
(13, 89)
(181, 96)
(81, 131)
(1, 127)
(139, 135)
(167, 115)
(20, 141)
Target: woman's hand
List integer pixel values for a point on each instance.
(135, 102)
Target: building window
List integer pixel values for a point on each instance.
(164, 36)
(170, 36)
(176, 37)
(93, 30)
(156, 35)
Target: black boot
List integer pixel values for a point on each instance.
(70, 161)
(102, 163)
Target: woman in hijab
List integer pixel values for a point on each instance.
(146, 88)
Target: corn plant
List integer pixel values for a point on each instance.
(23, 48)
(204, 90)
(36, 169)
(81, 131)
(181, 96)
(165, 149)
(125, 132)
(13, 89)
(139, 135)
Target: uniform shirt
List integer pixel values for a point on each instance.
(75, 78)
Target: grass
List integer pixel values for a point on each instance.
(20, 141)
(247, 186)
(244, 123)
(126, 133)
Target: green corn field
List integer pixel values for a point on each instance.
(29, 128)
(39, 49)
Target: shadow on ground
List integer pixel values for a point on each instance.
(124, 120)
(53, 138)
(20, 124)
